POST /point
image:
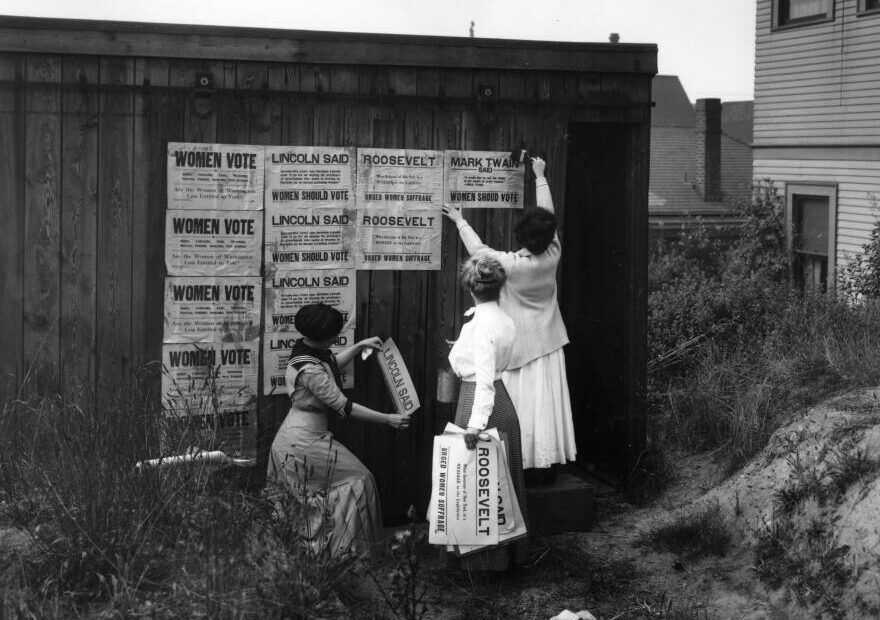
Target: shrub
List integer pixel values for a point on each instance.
(696, 535)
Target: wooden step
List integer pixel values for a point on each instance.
(564, 506)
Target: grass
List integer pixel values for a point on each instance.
(692, 536)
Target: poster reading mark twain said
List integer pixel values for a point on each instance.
(276, 352)
(309, 238)
(225, 177)
(230, 429)
(485, 179)
(199, 309)
(404, 178)
(213, 243)
(308, 176)
(197, 375)
(288, 291)
(396, 238)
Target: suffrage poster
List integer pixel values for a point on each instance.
(213, 243)
(196, 376)
(397, 238)
(231, 429)
(464, 493)
(218, 177)
(302, 177)
(309, 238)
(288, 291)
(202, 309)
(397, 379)
(486, 179)
(403, 178)
(276, 352)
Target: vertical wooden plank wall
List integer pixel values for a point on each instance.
(12, 217)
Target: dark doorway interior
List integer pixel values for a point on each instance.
(594, 290)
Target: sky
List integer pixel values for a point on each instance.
(709, 44)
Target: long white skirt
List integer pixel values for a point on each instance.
(539, 391)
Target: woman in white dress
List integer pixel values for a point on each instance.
(535, 377)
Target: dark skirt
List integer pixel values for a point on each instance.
(504, 419)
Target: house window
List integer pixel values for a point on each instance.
(787, 13)
(812, 217)
(869, 6)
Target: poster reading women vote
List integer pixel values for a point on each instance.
(288, 291)
(276, 352)
(220, 177)
(485, 179)
(396, 238)
(404, 178)
(196, 376)
(213, 243)
(230, 429)
(201, 309)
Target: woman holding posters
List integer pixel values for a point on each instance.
(305, 458)
(480, 354)
(535, 377)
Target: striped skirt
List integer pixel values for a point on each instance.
(505, 420)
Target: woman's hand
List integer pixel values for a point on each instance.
(374, 342)
(471, 437)
(452, 213)
(398, 421)
(538, 166)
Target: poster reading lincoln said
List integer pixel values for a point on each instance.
(309, 238)
(218, 177)
(213, 243)
(485, 179)
(201, 309)
(276, 352)
(288, 291)
(196, 377)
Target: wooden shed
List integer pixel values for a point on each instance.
(87, 109)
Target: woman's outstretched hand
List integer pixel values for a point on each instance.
(399, 421)
(452, 213)
(538, 166)
(471, 437)
(373, 342)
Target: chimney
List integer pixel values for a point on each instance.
(708, 149)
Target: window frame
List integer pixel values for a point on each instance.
(806, 21)
(864, 10)
(825, 190)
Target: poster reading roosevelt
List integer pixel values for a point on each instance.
(213, 243)
(198, 376)
(276, 352)
(396, 238)
(201, 309)
(288, 291)
(219, 177)
(405, 178)
(486, 179)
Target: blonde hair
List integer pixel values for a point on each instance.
(483, 276)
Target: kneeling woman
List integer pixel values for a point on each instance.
(304, 452)
(482, 351)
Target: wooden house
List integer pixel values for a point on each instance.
(817, 125)
(87, 109)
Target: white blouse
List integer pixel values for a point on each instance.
(482, 351)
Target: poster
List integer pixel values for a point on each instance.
(486, 179)
(276, 351)
(231, 429)
(396, 238)
(302, 177)
(201, 309)
(226, 177)
(397, 378)
(213, 243)
(403, 178)
(309, 238)
(288, 291)
(464, 493)
(195, 376)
